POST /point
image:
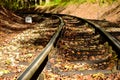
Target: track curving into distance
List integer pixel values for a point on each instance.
(80, 47)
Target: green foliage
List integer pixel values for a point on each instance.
(79, 1)
(17, 4)
(91, 1)
(57, 1)
(10, 4)
(101, 2)
(95, 1)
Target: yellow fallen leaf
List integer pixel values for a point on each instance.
(2, 72)
(8, 62)
(99, 75)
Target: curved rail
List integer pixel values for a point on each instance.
(113, 41)
(35, 68)
(38, 64)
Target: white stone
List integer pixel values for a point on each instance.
(28, 19)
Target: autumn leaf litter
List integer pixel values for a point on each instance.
(19, 52)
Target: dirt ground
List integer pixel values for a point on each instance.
(95, 11)
(10, 25)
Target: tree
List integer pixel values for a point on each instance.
(47, 1)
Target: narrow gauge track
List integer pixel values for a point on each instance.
(81, 47)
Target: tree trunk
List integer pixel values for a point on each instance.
(47, 1)
(35, 2)
(40, 2)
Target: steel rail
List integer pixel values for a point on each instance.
(40, 61)
(111, 39)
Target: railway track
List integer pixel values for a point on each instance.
(79, 47)
(112, 28)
